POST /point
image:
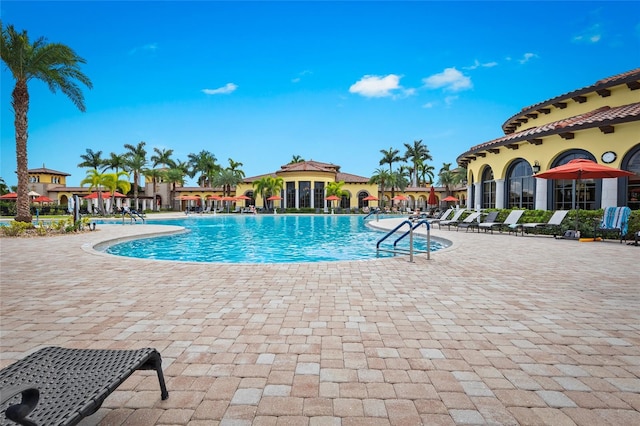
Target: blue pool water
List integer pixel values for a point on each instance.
(264, 239)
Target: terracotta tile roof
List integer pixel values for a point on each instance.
(310, 166)
(349, 178)
(615, 80)
(605, 116)
(47, 171)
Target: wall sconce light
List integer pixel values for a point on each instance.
(536, 167)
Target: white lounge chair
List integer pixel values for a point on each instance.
(455, 218)
(511, 221)
(554, 223)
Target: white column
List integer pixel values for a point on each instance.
(478, 195)
(609, 192)
(469, 196)
(297, 198)
(499, 193)
(541, 194)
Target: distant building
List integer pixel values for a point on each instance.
(600, 122)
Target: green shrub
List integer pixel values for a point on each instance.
(15, 229)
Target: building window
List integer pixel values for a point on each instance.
(521, 186)
(318, 195)
(569, 194)
(345, 201)
(305, 194)
(632, 164)
(488, 189)
(291, 195)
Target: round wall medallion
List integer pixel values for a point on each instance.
(609, 157)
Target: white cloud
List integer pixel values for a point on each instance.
(428, 105)
(374, 86)
(477, 64)
(226, 89)
(593, 34)
(151, 47)
(449, 100)
(300, 75)
(527, 57)
(450, 79)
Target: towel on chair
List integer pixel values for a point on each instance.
(616, 218)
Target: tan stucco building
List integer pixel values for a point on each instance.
(600, 122)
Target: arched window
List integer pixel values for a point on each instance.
(345, 201)
(631, 163)
(488, 189)
(521, 185)
(569, 194)
(361, 202)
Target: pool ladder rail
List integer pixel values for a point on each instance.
(398, 250)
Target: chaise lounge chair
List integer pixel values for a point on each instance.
(491, 217)
(60, 386)
(553, 223)
(471, 218)
(510, 222)
(455, 218)
(615, 219)
(442, 216)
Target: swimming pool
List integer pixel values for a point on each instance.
(263, 239)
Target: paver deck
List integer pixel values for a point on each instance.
(498, 329)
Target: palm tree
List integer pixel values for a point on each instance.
(226, 179)
(155, 175)
(175, 175)
(380, 177)
(162, 157)
(95, 180)
(4, 189)
(203, 163)
(296, 159)
(417, 153)
(426, 171)
(56, 65)
(92, 159)
(136, 162)
(113, 182)
(267, 186)
(335, 188)
(389, 157)
(446, 177)
(115, 162)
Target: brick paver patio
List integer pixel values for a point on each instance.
(498, 329)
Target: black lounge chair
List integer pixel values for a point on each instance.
(59, 386)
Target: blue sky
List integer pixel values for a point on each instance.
(335, 82)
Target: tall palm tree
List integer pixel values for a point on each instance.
(175, 176)
(446, 177)
(136, 162)
(336, 188)
(58, 66)
(234, 167)
(115, 162)
(204, 164)
(92, 159)
(226, 179)
(389, 157)
(296, 159)
(267, 186)
(162, 157)
(425, 171)
(416, 153)
(96, 180)
(380, 177)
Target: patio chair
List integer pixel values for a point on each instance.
(510, 222)
(442, 216)
(616, 220)
(455, 218)
(60, 386)
(491, 217)
(473, 217)
(553, 223)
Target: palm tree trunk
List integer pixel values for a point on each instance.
(20, 104)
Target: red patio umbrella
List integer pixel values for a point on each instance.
(450, 198)
(433, 199)
(370, 198)
(332, 198)
(189, 198)
(274, 198)
(9, 196)
(399, 197)
(42, 199)
(581, 168)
